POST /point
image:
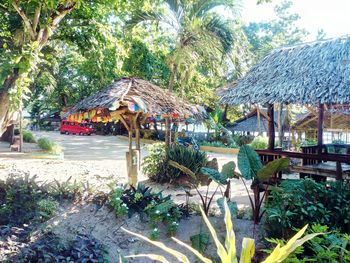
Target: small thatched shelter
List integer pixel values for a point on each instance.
(314, 73)
(132, 101)
(256, 121)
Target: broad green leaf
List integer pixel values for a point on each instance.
(249, 162)
(231, 205)
(214, 175)
(228, 170)
(273, 167)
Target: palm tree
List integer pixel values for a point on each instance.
(201, 34)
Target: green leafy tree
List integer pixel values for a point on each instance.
(200, 34)
(265, 36)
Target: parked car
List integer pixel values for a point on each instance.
(70, 127)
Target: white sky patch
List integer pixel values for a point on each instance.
(333, 16)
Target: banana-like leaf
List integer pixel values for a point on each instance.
(273, 167)
(249, 162)
(181, 257)
(248, 250)
(228, 170)
(281, 253)
(230, 240)
(221, 252)
(194, 251)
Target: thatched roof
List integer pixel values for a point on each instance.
(335, 117)
(317, 72)
(249, 123)
(148, 97)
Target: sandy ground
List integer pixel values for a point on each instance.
(99, 161)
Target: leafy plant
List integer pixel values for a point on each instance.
(49, 146)
(28, 136)
(142, 200)
(50, 248)
(251, 168)
(227, 251)
(156, 164)
(299, 202)
(243, 139)
(200, 241)
(47, 208)
(333, 247)
(259, 143)
(213, 175)
(19, 198)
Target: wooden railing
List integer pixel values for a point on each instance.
(308, 157)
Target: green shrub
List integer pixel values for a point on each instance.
(191, 159)
(259, 143)
(47, 208)
(153, 163)
(28, 136)
(299, 202)
(232, 144)
(333, 247)
(21, 201)
(156, 166)
(243, 139)
(142, 200)
(49, 146)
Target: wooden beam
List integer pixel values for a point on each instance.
(167, 141)
(271, 127)
(320, 127)
(122, 119)
(310, 109)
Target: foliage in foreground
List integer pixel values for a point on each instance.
(227, 251)
(299, 202)
(144, 201)
(157, 168)
(49, 146)
(332, 247)
(22, 201)
(50, 248)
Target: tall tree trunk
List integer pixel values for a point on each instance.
(6, 116)
(172, 77)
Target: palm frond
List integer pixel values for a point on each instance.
(222, 31)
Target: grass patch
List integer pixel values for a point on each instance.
(49, 146)
(28, 137)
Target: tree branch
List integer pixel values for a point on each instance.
(25, 19)
(62, 12)
(36, 17)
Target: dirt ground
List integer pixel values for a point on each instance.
(97, 162)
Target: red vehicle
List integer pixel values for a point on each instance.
(70, 127)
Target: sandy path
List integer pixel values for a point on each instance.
(98, 160)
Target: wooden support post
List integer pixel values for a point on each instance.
(320, 127)
(339, 172)
(271, 127)
(167, 137)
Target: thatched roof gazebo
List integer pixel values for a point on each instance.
(315, 73)
(132, 101)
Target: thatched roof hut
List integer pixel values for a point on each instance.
(250, 122)
(149, 98)
(310, 73)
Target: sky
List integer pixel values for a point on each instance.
(333, 16)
